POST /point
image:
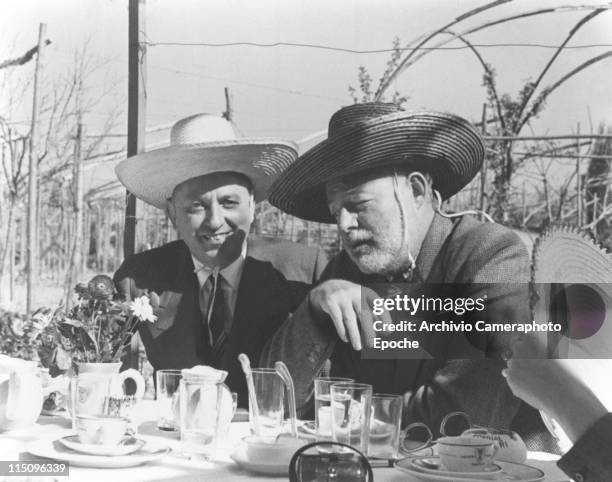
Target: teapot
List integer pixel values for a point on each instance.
(21, 393)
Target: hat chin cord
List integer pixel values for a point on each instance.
(438, 209)
(402, 210)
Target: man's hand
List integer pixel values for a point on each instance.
(341, 300)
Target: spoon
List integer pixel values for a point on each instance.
(246, 368)
(284, 373)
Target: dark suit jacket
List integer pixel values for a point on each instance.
(463, 251)
(277, 275)
(589, 459)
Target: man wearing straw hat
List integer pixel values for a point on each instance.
(221, 291)
(381, 176)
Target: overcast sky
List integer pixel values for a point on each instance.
(292, 91)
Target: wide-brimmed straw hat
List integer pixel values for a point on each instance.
(572, 285)
(204, 144)
(374, 135)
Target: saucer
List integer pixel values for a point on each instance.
(72, 442)
(509, 471)
(239, 456)
(56, 450)
(431, 465)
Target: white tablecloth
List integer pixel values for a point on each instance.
(173, 468)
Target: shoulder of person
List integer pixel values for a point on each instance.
(486, 252)
(296, 261)
(258, 244)
(478, 236)
(162, 259)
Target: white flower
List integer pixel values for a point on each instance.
(142, 309)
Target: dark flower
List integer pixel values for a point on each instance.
(82, 291)
(101, 287)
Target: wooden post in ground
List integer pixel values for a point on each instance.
(74, 266)
(136, 108)
(578, 180)
(32, 266)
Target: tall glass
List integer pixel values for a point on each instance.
(351, 407)
(167, 396)
(385, 424)
(323, 421)
(269, 392)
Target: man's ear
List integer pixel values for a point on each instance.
(171, 211)
(418, 183)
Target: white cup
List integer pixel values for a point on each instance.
(100, 430)
(466, 454)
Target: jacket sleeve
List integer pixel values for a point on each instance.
(303, 342)
(589, 459)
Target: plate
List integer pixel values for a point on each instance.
(509, 471)
(239, 456)
(72, 442)
(54, 449)
(421, 464)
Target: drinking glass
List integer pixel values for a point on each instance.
(269, 393)
(385, 424)
(351, 407)
(167, 396)
(323, 422)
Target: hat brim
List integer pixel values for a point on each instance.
(576, 291)
(152, 176)
(446, 146)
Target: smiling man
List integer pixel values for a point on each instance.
(221, 291)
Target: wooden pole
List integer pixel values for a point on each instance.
(74, 265)
(136, 108)
(578, 180)
(32, 267)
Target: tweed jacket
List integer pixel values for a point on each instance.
(276, 276)
(463, 251)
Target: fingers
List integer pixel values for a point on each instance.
(350, 324)
(335, 313)
(365, 322)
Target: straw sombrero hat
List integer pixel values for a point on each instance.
(204, 144)
(374, 135)
(572, 285)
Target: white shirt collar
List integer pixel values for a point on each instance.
(231, 273)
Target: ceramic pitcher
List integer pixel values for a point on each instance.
(21, 394)
(96, 383)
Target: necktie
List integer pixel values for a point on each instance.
(217, 311)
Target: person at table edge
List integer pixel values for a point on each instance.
(378, 176)
(221, 291)
(582, 415)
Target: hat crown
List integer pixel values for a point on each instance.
(355, 115)
(202, 128)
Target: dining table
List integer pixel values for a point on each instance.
(175, 465)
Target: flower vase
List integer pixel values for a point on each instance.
(97, 390)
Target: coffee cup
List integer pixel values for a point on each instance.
(101, 430)
(511, 445)
(466, 454)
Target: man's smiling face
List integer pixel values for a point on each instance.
(213, 214)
